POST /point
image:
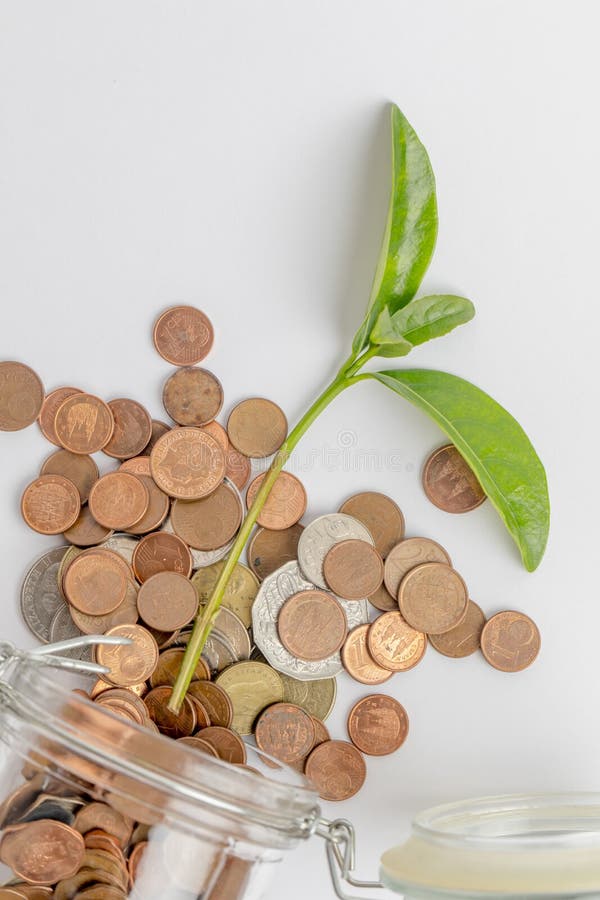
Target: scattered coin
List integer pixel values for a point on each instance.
(450, 483)
(161, 552)
(187, 463)
(132, 431)
(158, 430)
(257, 427)
(353, 569)
(50, 406)
(337, 770)
(226, 742)
(383, 600)
(380, 515)
(216, 430)
(237, 467)
(318, 538)
(167, 601)
(40, 596)
(433, 598)
(393, 644)
(193, 396)
(378, 725)
(239, 594)
(316, 697)
(210, 522)
(21, 396)
(159, 505)
(465, 638)
(118, 500)
(285, 505)
(50, 504)
(286, 732)
(130, 663)
(42, 852)
(183, 335)
(510, 641)
(79, 468)
(251, 686)
(126, 613)
(95, 583)
(312, 625)
(407, 555)
(83, 424)
(358, 661)
(269, 550)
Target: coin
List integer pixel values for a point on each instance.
(169, 663)
(239, 594)
(95, 583)
(286, 732)
(137, 465)
(268, 550)
(238, 466)
(174, 725)
(52, 402)
(406, 556)
(187, 463)
(193, 396)
(337, 770)
(210, 522)
(183, 335)
(353, 569)
(284, 506)
(21, 396)
(161, 552)
(126, 613)
(251, 686)
(357, 660)
(158, 507)
(312, 625)
(316, 697)
(101, 815)
(84, 424)
(218, 652)
(118, 500)
(42, 852)
(80, 469)
(40, 596)
(510, 641)
(393, 644)
(257, 427)
(380, 515)
(218, 432)
(130, 663)
(319, 537)
(226, 742)
(123, 545)
(433, 598)
(50, 504)
(158, 429)
(62, 628)
(167, 601)
(382, 600)
(234, 631)
(215, 700)
(198, 744)
(132, 431)
(378, 725)
(465, 638)
(450, 483)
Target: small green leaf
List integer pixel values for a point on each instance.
(411, 228)
(431, 317)
(494, 445)
(387, 338)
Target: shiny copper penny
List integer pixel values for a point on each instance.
(137, 465)
(100, 815)
(381, 516)
(450, 483)
(77, 467)
(465, 638)
(337, 770)
(353, 569)
(21, 396)
(187, 463)
(406, 556)
(226, 742)
(378, 725)
(393, 644)
(161, 552)
(85, 531)
(268, 550)
(167, 669)
(42, 852)
(215, 701)
(118, 500)
(131, 663)
(193, 396)
(183, 335)
(52, 402)
(312, 625)
(126, 613)
(158, 430)
(238, 467)
(167, 601)
(433, 598)
(174, 725)
(132, 431)
(95, 584)
(84, 424)
(257, 427)
(285, 731)
(208, 523)
(357, 660)
(50, 504)
(510, 641)
(284, 506)
(159, 505)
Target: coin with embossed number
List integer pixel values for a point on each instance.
(183, 335)
(358, 661)
(378, 725)
(465, 638)
(510, 641)
(40, 595)
(337, 770)
(284, 506)
(450, 483)
(187, 463)
(433, 598)
(406, 556)
(319, 537)
(128, 663)
(21, 396)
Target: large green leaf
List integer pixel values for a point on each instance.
(494, 445)
(411, 227)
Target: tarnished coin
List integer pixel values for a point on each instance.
(80, 469)
(510, 641)
(174, 725)
(158, 429)
(159, 505)
(210, 522)
(239, 594)
(50, 504)
(215, 700)
(238, 466)
(312, 625)
(450, 483)
(268, 550)
(40, 596)
(378, 725)
(226, 742)
(284, 506)
(257, 427)
(393, 644)
(433, 598)
(187, 463)
(465, 638)
(167, 601)
(84, 424)
(161, 552)
(126, 613)
(357, 660)
(183, 335)
(95, 583)
(132, 431)
(169, 663)
(101, 815)
(251, 686)
(286, 732)
(118, 500)
(50, 406)
(406, 556)
(353, 569)
(128, 663)
(319, 537)
(42, 852)
(380, 515)
(193, 396)
(337, 770)
(316, 697)
(21, 396)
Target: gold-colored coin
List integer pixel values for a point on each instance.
(240, 592)
(252, 686)
(316, 697)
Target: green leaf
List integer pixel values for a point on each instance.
(411, 228)
(431, 317)
(494, 445)
(388, 339)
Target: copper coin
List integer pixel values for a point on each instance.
(202, 717)
(161, 552)
(126, 613)
(208, 523)
(357, 660)
(353, 569)
(158, 507)
(257, 427)
(465, 638)
(321, 731)
(115, 697)
(238, 467)
(393, 644)
(378, 725)
(167, 601)
(129, 663)
(510, 641)
(285, 731)
(450, 483)
(50, 504)
(174, 725)
(158, 430)
(183, 335)
(433, 598)
(169, 663)
(95, 584)
(84, 424)
(284, 506)
(137, 465)
(119, 500)
(218, 432)
(226, 742)
(21, 396)
(215, 700)
(187, 463)
(380, 514)
(337, 770)
(196, 742)
(268, 550)
(42, 852)
(77, 467)
(100, 815)
(382, 600)
(136, 855)
(312, 625)
(193, 396)
(406, 556)
(50, 406)
(132, 431)
(86, 532)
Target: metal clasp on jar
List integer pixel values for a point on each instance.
(340, 844)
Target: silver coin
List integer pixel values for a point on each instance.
(123, 544)
(218, 651)
(40, 596)
(231, 627)
(320, 536)
(278, 587)
(62, 629)
(203, 558)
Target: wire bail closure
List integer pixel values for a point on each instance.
(340, 845)
(50, 654)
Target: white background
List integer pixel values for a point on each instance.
(235, 155)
